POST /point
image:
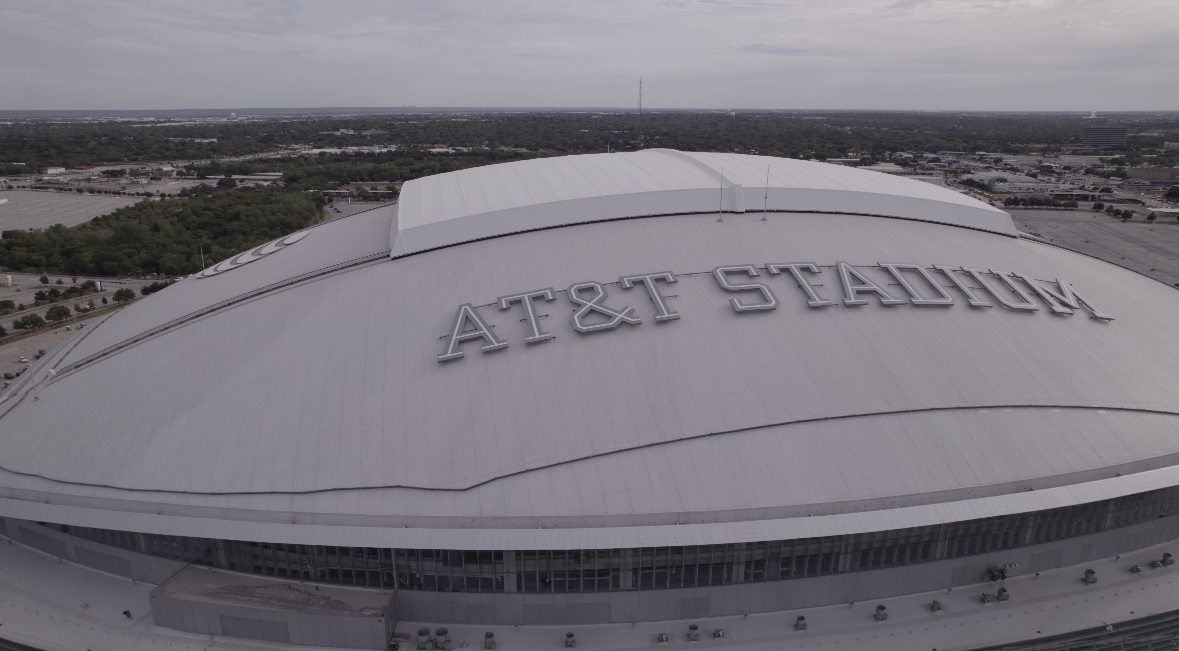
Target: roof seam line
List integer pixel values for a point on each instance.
(557, 464)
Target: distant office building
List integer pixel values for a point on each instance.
(1081, 161)
(1144, 185)
(1032, 187)
(1104, 136)
(1170, 146)
(897, 170)
(1153, 173)
(999, 177)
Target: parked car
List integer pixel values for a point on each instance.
(9, 376)
(23, 360)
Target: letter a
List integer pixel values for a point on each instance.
(466, 312)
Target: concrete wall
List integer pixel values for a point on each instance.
(342, 631)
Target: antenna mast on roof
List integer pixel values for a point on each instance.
(720, 204)
(766, 206)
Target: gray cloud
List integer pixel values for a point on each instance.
(878, 54)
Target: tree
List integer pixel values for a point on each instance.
(104, 300)
(124, 295)
(227, 182)
(1173, 192)
(3, 332)
(57, 313)
(7, 306)
(28, 322)
(154, 287)
(1098, 206)
(44, 280)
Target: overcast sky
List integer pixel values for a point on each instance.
(840, 54)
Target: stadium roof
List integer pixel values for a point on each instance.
(304, 388)
(483, 202)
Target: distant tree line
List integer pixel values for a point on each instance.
(324, 171)
(167, 236)
(808, 134)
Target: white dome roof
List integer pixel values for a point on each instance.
(305, 388)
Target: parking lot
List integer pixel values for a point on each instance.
(1148, 248)
(10, 354)
(27, 209)
(22, 290)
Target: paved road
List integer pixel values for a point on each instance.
(1151, 249)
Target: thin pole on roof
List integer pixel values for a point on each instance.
(720, 204)
(766, 206)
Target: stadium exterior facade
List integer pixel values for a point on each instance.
(607, 389)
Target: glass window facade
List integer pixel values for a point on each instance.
(645, 568)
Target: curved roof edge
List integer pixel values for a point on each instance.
(483, 202)
(595, 538)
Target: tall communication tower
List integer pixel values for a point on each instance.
(639, 144)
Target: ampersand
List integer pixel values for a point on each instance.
(594, 304)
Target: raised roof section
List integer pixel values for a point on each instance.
(473, 204)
